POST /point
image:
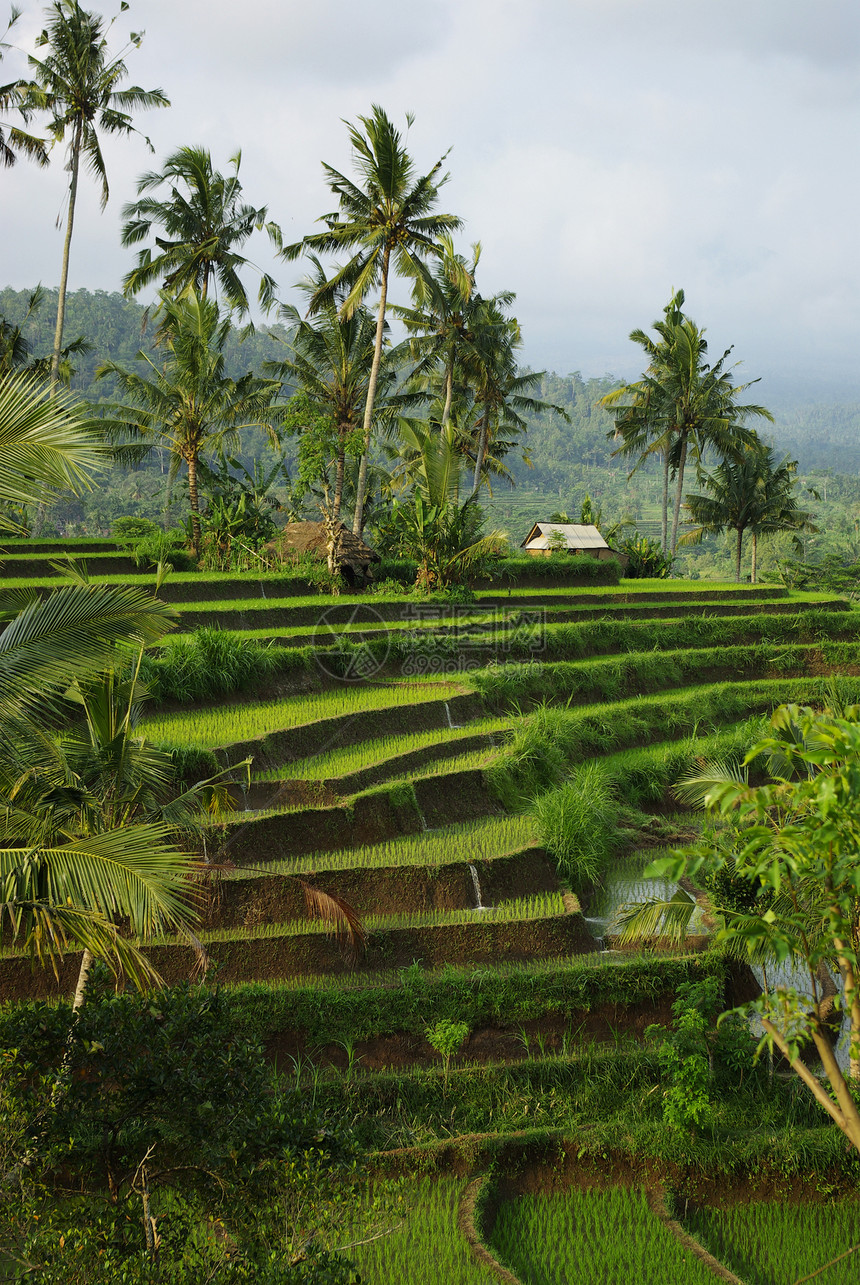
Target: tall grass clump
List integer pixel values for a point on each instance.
(209, 662)
(577, 825)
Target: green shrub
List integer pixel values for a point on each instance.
(577, 825)
(148, 545)
(208, 663)
(522, 569)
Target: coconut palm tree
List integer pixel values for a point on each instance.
(387, 217)
(441, 319)
(501, 393)
(56, 893)
(76, 84)
(46, 444)
(754, 493)
(13, 139)
(330, 364)
(189, 402)
(204, 222)
(682, 406)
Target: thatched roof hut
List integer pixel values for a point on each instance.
(344, 552)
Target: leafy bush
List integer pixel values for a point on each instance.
(149, 545)
(577, 825)
(522, 568)
(209, 663)
(647, 561)
(152, 1116)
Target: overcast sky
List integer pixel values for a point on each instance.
(603, 151)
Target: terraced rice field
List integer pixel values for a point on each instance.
(591, 1238)
(775, 1243)
(382, 789)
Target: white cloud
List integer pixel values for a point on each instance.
(603, 151)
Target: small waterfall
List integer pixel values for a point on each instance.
(597, 928)
(476, 885)
(454, 727)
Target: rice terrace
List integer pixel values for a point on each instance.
(430, 785)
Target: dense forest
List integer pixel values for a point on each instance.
(559, 456)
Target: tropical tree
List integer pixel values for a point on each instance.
(12, 138)
(76, 84)
(188, 403)
(204, 222)
(432, 524)
(752, 492)
(680, 406)
(46, 445)
(387, 216)
(441, 318)
(502, 395)
(330, 365)
(797, 843)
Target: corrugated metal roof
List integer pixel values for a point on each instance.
(576, 536)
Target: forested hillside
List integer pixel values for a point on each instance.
(560, 456)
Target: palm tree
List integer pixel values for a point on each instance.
(330, 363)
(502, 394)
(387, 215)
(681, 406)
(189, 402)
(46, 444)
(53, 893)
(13, 139)
(442, 317)
(204, 221)
(76, 85)
(754, 493)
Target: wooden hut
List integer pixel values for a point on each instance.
(546, 538)
(332, 543)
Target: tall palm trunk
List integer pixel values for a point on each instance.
(664, 512)
(754, 557)
(64, 272)
(194, 502)
(738, 553)
(339, 470)
(83, 978)
(449, 392)
(679, 490)
(482, 449)
(361, 488)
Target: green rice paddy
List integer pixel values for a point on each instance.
(541, 906)
(223, 725)
(427, 1247)
(592, 1238)
(475, 841)
(353, 758)
(777, 1243)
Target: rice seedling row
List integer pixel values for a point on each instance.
(547, 905)
(771, 1243)
(223, 725)
(591, 1238)
(474, 841)
(352, 758)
